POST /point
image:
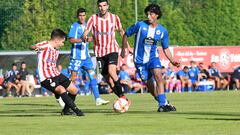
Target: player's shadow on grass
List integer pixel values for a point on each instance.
(208, 113)
(225, 119)
(30, 113)
(28, 104)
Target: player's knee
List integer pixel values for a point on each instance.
(60, 89)
(92, 75)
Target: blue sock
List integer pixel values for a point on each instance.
(182, 89)
(94, 87)
(189, 89)
(86, 87)
(161, 99)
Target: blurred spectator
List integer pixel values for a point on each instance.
(193, 74)
(137, 79)
(164, 78)
(236, 77)
(204, 77)
(1, 76)
(12, 81)
(172, 81)
(26, 84)
(126, 81)
(183, 76)
(220, 81)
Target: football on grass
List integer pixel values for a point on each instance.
(121, 105)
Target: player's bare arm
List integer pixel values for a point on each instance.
(124, 46)
(84, 36)
(32, 47)
(168, 54)
(75, 40)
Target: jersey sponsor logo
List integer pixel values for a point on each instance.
(104, 33)
(51, 60)
(149, 41)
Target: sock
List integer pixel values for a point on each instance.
(189, 89)
(182, 89)
(162, 99)
(86, 87)
(73, 97)
(57, 96)
(69, 103)
(117, 89)
(94, 87)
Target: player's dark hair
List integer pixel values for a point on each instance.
(153, 8)
(58, 33)
(99, 1)
(81, 10)
(185, 67)
(14, 64)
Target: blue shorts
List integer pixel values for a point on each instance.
(76, 65)
(144, 70)
(193, 81)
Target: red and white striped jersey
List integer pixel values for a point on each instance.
(47, 61)
(104, 33)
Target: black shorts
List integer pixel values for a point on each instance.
(103, 62)
(52, 83)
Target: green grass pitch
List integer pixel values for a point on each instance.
(198, 113)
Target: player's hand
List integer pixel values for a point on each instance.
(38, 49)
(175, 63)
(89, 39)
(123, 53)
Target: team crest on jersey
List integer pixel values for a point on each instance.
(75, 68)
(158, 32)
(144, 28)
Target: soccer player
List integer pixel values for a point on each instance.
(80, 57)
(103, 25)
(148, 34)
(50, 76)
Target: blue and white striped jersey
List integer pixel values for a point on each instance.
(146, 40)
(79, 51)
